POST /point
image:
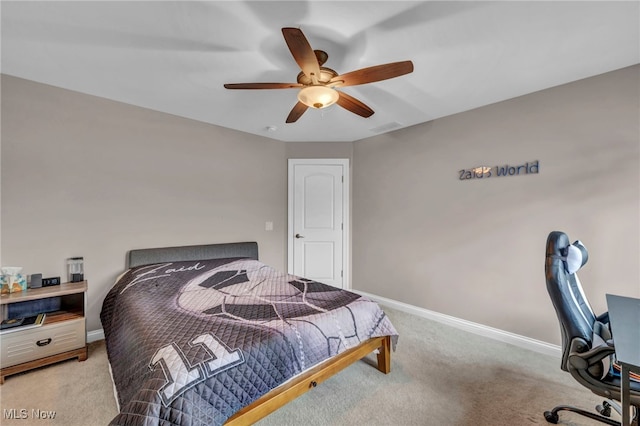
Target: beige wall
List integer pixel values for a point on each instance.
(87, 176)
(475, 249)
(84, 176)
(319, 150)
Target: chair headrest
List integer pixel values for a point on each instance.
(576, 257)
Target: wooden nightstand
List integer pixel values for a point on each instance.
(62, 336)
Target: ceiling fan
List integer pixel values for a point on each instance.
(318, 84)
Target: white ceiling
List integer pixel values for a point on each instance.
(175, 56)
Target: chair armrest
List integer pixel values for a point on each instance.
(583, 360)
(603, 318)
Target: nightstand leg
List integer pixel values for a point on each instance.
(84, 355)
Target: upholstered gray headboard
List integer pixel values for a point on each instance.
(175, 254)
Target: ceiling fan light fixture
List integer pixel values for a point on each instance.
(317, 83)
(318, 96)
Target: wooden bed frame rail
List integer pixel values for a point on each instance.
(308, 380)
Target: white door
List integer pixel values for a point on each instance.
(318, 213)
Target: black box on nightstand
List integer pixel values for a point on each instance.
(47, 282)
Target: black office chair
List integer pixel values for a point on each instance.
(587, 348)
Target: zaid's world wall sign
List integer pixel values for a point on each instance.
(483, 172)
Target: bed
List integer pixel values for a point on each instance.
(208, 335)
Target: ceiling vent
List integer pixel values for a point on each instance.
(386, 127)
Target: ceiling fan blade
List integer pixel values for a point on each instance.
(262, 85)
(296, 112)
(355, 106)
(302, 52)
(372, 74)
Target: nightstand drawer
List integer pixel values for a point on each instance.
(23, 346)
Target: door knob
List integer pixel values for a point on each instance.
(299, 236)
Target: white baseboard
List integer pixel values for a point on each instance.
(95, 335)
(472, 327)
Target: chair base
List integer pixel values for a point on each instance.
(605, 409)
(552, 416)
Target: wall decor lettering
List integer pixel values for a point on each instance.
(483, 172)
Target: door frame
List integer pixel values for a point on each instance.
(346, 253)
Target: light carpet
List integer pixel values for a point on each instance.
(440, 375)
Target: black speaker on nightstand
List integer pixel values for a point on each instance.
(36, 281)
